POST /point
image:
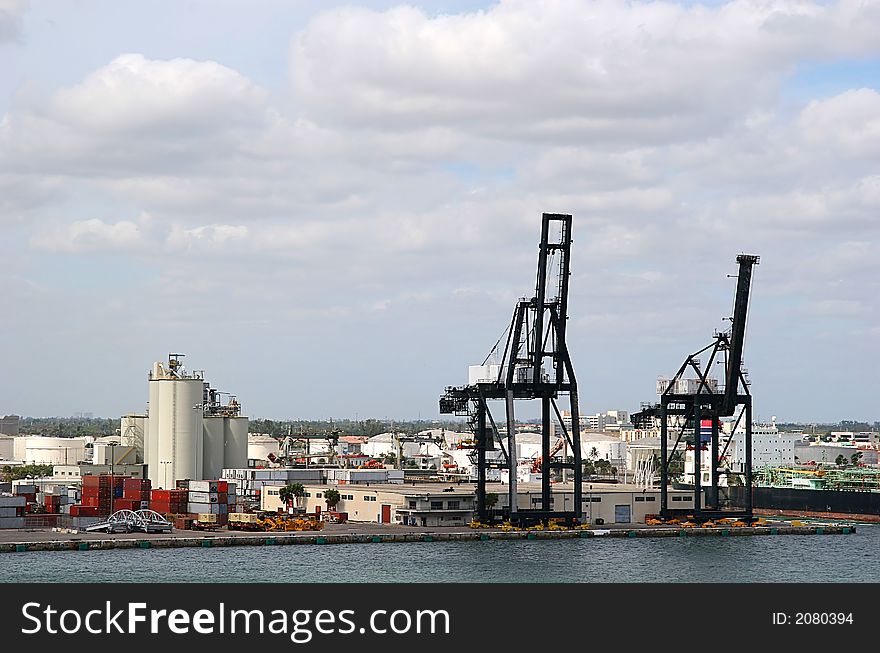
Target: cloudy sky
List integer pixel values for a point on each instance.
(332, 209)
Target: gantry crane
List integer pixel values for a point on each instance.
(702, 401)
(535, 365)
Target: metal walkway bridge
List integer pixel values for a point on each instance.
(126, 521)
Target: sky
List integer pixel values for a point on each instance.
(332, 208)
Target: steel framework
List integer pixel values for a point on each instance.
(690, 409)
(148, 521)
(536, 365)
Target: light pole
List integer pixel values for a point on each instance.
(165, 464)
(112, 444)
(590, 496)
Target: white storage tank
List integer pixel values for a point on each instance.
(235, 453)
(260, 446)
(175, 435)
(39, 450)
(7, 447)
(214, 446)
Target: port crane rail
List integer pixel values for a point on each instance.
(126, 521)
(536, 336)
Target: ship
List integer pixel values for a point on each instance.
(815, 491)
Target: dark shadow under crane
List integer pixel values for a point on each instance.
(536, 365)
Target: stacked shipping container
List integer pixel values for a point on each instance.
(169, 501)
(99, 495)
(12, 511)
(210, 500)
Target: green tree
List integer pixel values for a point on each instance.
(332, 497)
(856, 457)
(291, 492)
(840, 461)
(491, 500)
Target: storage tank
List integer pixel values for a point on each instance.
(7, 447)
(214, 445)
(260, 446)
(175, 426)
(39, 450)
(235, 453)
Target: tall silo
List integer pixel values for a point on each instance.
(175, 426)
(236, 451)
(214, 448)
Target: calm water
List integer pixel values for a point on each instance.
(831, 558)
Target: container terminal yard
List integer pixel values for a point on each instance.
(188, 473)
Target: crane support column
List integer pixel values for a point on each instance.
(713, 499)
(698, 459)
(664, 464)
(545, 446)
(481, 460)
(511, 450)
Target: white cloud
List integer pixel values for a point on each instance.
(402, 176)
(566, 70)
(86, 236)
(135, 114)
(181, 97)
(848, 124)
(11, 12)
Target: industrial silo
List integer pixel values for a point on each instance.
(214, 447)
(236, 450)
(175, 426)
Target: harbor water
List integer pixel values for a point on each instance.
(792, 558)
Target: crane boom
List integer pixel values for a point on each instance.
(737, 332)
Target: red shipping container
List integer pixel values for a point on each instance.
(222, 486)
(83, 511)
(137, 484)
(139, 495)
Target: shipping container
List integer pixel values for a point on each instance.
(16, 501)
(11, 522)
(203, 486)
(214, 508)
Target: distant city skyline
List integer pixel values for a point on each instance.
(332, 207)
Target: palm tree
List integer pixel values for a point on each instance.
(291, 492)
(332, 497)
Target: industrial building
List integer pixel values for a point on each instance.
(425, 504)
(188, 433)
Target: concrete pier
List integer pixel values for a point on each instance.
(179, 540)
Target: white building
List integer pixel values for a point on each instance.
(768, 450)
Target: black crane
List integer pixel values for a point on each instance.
(693, 402)
(535, 365)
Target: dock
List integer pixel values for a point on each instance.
(89, 542)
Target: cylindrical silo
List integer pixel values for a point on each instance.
(174, 428)
(214, 446)
(236, 449)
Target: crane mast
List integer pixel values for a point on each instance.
(536, 365)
